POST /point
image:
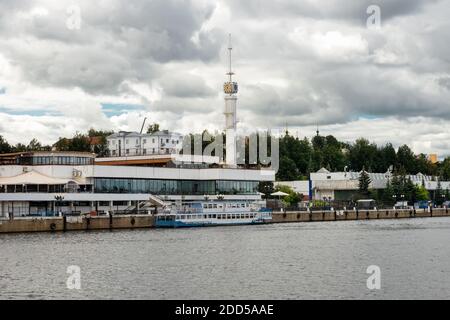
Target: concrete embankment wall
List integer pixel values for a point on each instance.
(76, 223)
(304, 216)
(148, 221)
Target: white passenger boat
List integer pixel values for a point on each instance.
(212, 213)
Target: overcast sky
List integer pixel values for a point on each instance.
(297, 62)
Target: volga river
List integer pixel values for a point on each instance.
(325, 260)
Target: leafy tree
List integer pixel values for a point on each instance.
(422, 193)
(386, 157)
(266, 187)
(20, 147)
(5, 147)
(287, 170)
(292, 198)
(406, 159)
(152, 128)
(424, 165)
(445, 169)
(362, 155)
(98, 141)
(79, 142)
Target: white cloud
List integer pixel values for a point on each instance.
(301, 63)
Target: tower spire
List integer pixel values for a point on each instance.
(230, 89)
(230, 48)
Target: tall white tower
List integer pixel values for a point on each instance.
(230, 88)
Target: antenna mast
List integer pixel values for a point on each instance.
(230, 47)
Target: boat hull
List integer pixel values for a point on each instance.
(194, 224)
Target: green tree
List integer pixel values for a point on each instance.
(362, 155)
(424, 165)
(386, 157)
(364, 183)
(152, 128)
(98, 141)
(388, 194)
(422, 193)
(5, 147)
(287, 170)
(79, 142)
(444, 170)
(439, 194)
(406, 159)
(292, 198)
(266, 187)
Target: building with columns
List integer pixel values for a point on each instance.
(47, 183)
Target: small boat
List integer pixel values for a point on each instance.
(212, 213)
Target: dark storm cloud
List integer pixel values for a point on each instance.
(297, 62)
(352, 11)
(123, 41)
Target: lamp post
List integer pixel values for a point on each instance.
(59, 199)
(395, 199)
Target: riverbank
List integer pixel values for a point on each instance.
(80, 223)
(61, 224)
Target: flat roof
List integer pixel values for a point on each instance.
(47, 153)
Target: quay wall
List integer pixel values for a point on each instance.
(305, 216)
(55, 224)
(43, 224)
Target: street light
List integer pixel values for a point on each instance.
(59, 198)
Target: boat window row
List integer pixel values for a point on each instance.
(216, 216)
(170, 187)
(227, 205)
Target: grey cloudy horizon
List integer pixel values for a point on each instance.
(298, 63)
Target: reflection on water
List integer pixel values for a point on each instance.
(280, 261)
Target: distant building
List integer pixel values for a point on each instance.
(125, 143)
(300, 186)
(95, 142)
(324, 184)
(433, 158)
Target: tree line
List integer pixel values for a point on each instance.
(300, 157)
(91, 141)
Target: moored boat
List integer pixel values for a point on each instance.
(212, 213)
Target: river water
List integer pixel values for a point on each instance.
(323, 260)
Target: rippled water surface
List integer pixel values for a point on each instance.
(281, 261)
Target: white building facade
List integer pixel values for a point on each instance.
(324, 184)
(125, 143)
(43, 183)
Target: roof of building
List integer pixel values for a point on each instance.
(95, 140)
(14, 155)
(32, 177)
(137, 134)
